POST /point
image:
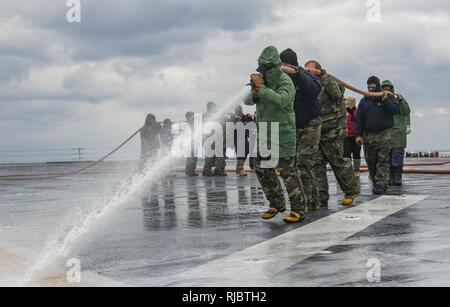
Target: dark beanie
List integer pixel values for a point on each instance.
(288, 56)
(374, 80)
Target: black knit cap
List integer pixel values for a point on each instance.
(374, 80)
(288, 56)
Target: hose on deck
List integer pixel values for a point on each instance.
(59, 175)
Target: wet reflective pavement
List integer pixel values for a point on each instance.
(184, 230)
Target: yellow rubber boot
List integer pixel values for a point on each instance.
(271, 213)
(243, 173)
(294, 217)
(347, 201)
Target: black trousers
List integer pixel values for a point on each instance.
(351, 148)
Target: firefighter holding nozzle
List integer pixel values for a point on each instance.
(273, 93)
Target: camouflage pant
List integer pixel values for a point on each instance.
(308, 139)
(272, 188)
(376, 152)
(331, 151)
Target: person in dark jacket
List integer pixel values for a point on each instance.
(308, 122)
(242, 154)
(374, 120)
(351, 149)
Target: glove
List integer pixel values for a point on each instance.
(256, 81)
(408, 129)
(385, 95)
(359, 141)
(289, 69)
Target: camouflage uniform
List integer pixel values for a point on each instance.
(331, 148)
(272, 187)
(375, 120)
(275, 104)
(308, 140)
(376, 152)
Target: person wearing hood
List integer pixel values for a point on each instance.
(150, 140)
(352, 151)
(273, 93)
(331, 147)
(308, 122)
(402, 124)
(374, 121)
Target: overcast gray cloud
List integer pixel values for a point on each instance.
(90, 84)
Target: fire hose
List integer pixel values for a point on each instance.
(421, 171)
(59, 175)
(422, 164)
(292, 69)
(285, 67)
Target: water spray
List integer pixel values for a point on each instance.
(61, 246)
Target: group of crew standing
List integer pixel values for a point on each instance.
(318, 126)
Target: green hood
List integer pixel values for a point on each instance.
(270, 55)
(401, 121)
(388, 83)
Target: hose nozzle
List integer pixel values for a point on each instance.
(256, 73)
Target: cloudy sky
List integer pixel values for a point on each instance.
(90, 84)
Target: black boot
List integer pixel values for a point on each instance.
(220, 174)
(399, 178)
(378, 191)
(392, 178)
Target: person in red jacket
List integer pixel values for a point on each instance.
(351, 148)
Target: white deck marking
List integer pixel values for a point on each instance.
(253, 266)
(256, 265)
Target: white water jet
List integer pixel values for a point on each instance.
(62, 245)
